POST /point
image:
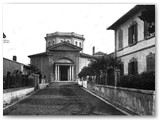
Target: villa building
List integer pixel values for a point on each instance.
(135, 39)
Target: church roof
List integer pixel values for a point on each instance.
(64, 46)
(65, 34)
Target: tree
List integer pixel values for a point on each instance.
(99, 67)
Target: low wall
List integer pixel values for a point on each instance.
(44, 85)
(141, 102)
(82, 83)
(10, 97)
(16, 95)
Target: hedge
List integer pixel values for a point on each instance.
(145, 80)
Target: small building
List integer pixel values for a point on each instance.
(135, 39)
(99, 54)
(11, 65)
(63, 58)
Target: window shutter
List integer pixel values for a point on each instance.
(150, 59)
(122, 69)
(135, 67)
(153, 64)
(145, 29)
(129, 35)
(120, 34)
(147, 60)
(136, 32)
(121, 39)
(129, 68)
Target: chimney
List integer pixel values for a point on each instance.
(14, 58)
(93, 50)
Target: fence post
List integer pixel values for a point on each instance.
(36, 81)
(117, 75)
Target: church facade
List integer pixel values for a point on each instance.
(63, 58)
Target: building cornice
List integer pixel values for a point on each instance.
(65, 34)
(136, 51)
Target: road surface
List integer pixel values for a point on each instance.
(62, 99)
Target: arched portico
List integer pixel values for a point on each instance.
(64, 70)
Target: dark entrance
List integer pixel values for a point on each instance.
(64, 73)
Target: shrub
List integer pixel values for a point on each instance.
(145, 80)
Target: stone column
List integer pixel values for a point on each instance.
(58, 73)
(68, 75)
(72, 73)
(55, 72)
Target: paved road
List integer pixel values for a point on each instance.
(62, 99)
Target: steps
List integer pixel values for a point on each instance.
(60, 83)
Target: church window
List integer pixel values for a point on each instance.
(68, 41)
(80, 44)
(132, 33)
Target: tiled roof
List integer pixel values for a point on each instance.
(125, 17)
(99, 53)
(38, 54)
(86, 55)
(13, 61)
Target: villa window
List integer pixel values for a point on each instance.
(76, 43)
(53, 42)
(132, 33)
(120, 39)
(148, 16)
(133, 67)
(149, 29)
(150, 60)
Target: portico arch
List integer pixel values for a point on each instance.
(64, 69)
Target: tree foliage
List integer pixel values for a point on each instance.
(99, 68)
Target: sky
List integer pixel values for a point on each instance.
(26, 25)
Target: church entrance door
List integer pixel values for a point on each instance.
(64, 73)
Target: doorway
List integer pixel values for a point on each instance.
(64, 73)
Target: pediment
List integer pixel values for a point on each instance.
(64, 47)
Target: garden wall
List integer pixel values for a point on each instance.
(141, 102)
(13, 96)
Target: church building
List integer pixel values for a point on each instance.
(63, 58)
